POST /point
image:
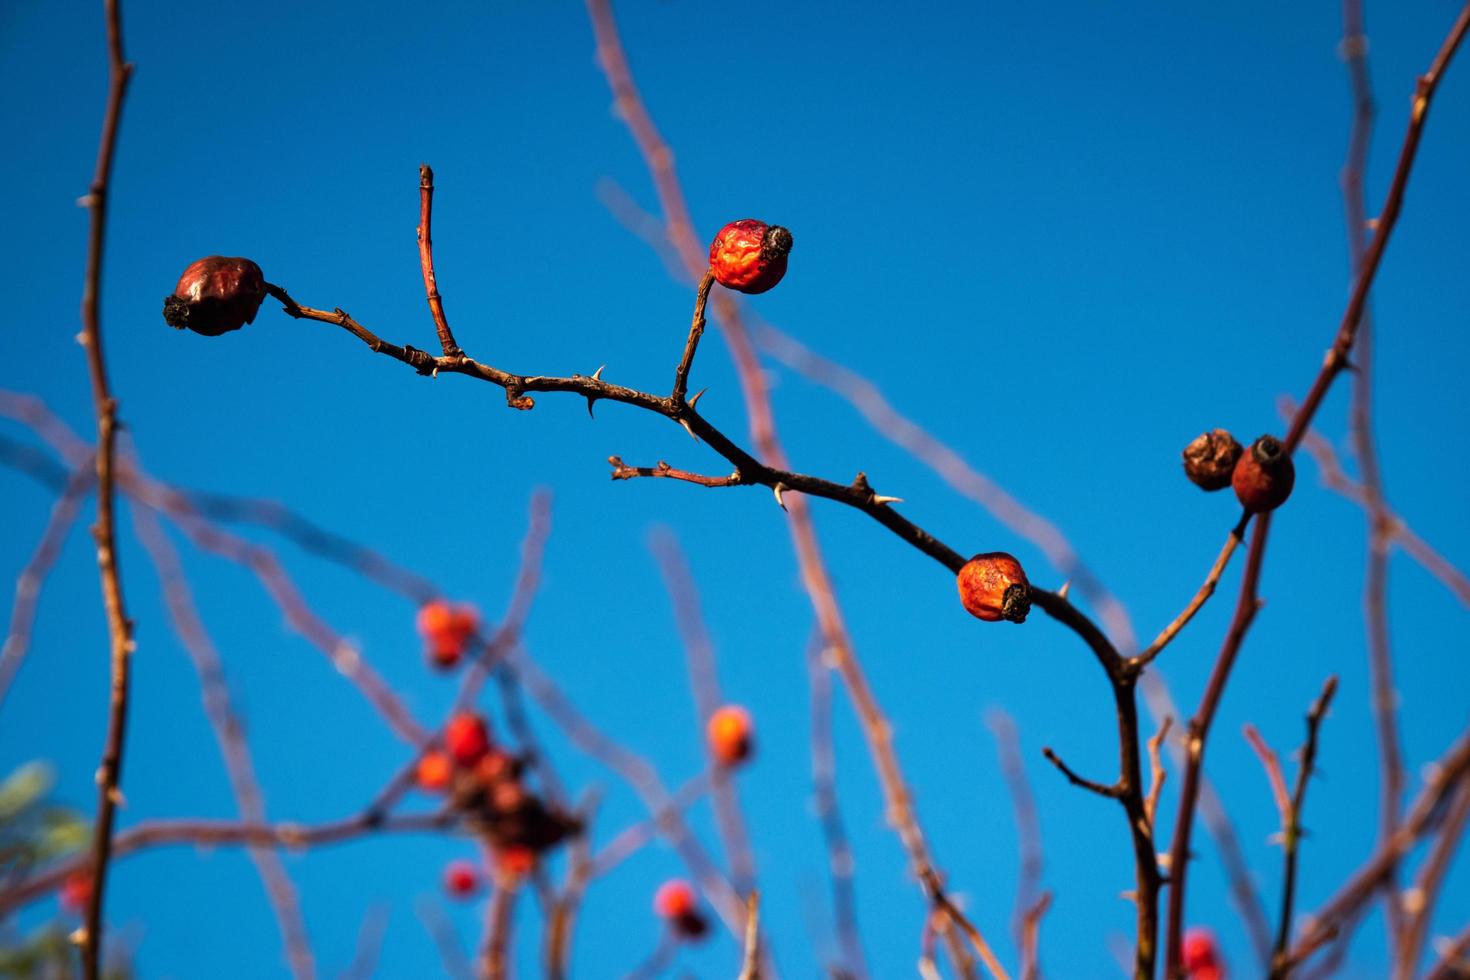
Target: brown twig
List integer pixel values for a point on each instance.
(1157, 770)
(841, 864)
(696, 331)
(494, 964)
(1422, 896)
(705, 683)
(1206, 590)
(228, 732)
(1383, 701)
(1291, 825)
(750, 968)
(1270, 762)
(33, 577)
(1028, 832)
(1447, 776)
(1454, 962)
(1030, 938)
(1401, 534)
(622, 471)
(216, 833)
(426, 261)
(119, 627)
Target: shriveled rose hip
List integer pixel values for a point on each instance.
(215, 295)
(749, 256)
(993, 586)
(1264, 476)
(730, 734)
(467, 739)
(1210, 459)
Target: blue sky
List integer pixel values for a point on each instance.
(1064, 237)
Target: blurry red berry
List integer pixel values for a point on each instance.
(461, 879)
(447, 630)
(467, 739)
(730, 734)
(515, 861)
(1210, 459)
(496, 767)
(749, 255)
(1200, 956)
(1264, 476)
(215, 295)
(674, 899)
(993, 586)
(76, 891)
(435, 771)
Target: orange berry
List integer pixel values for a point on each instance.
(467, 739)
(993, 586)
(749, 256)
(447, 630)
(674, 899)
(729, 734)
(461, 879)
(515, 861)
(435, 770)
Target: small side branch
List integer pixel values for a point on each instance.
(622, 471)
(426, 262)
(1112, 792)
(696, 330)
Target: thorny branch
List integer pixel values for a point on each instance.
(119, 627)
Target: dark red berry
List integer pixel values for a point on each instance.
(1264, 475)
(993, 586)
(1209, 460)
(215, 295)
(749, 255)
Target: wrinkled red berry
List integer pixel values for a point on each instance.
(749, 256)
(729, 734)
(467, 739)
(993, 586)
(461, 879)
(1210, 459)
(1264, 475)
(215, 295)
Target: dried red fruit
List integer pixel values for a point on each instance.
(76, 891)
(461, 879)
(434, 772)
(749, 256)
(447, 631)
(729, 732)
(1264, 476)
(993, 586)
(1210, 459)
(215, 295)
(1200, 956)
(467, 739)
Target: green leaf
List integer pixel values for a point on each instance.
(23, 788)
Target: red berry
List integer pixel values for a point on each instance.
(1200, 956)
(993, 586)
(76, 891)
(674, 899)
(434, 772)
(516, 861)
(215, 295)
(467, 739)
(749, 255)
(1264, 476)
(461, 879)
(1210, 459)
(729, 733)
(447, 630)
